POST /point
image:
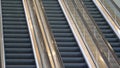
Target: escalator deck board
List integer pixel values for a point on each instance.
(17, 43)
(70, 52)
(103, 25)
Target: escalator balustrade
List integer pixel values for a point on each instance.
(103, 25)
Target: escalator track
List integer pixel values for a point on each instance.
(17, 42)
(70, 52)
(103, 25)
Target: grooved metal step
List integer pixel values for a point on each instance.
(17, 43)
(103, 26)
(69, 50)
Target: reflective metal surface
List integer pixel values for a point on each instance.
(111, 14)
(112, 9)
(50, 44)
(2, 53)
(117, 3)
(35, 33)
(31, 31)
(103, 55)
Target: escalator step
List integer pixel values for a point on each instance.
(70, 49)
(18, 50)
(109, 35)
(63, 34)
(20, 56)
(17, 45)
(72, 59)
(66, 44)
(20, 66)
(75, 65)
(71, 54)
(16, 35)
(115, 44)
(20, 61)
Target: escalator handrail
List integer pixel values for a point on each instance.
(109, 47)
(116, 23)
(31, 32)
(38, 43)
(52, 43)
(2, 50)
(109, 15)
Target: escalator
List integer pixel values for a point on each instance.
(103, 25)
(70, 52)
(17, 42)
